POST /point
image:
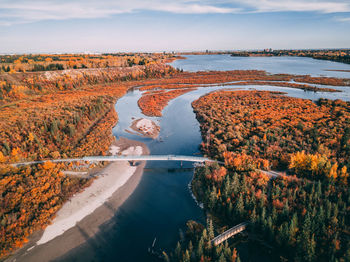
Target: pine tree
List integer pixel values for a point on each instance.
(253, 217)
(222, 258)
(178, 252)
(235, 183)
(239, 207)
(212, 198)
(190, 247)
(200, 247)
(210, 229)
(187, 257)
(285, 213)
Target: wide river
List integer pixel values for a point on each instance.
(162, 202)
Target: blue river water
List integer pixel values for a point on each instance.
(274, 65)
(162, 202)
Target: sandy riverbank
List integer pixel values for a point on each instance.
(81, 218)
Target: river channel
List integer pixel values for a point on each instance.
(162, 203)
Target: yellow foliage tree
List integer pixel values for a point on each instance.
(2, 157)
(30, 137)
(333, 172)
(344, 175)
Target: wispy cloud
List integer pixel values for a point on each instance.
(23, 11)
(27, 11)
(343, 19)
(296, 5)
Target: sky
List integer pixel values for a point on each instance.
(61, 26)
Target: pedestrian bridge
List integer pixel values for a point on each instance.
(229, 233)
(131, 158)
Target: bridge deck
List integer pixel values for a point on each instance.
(124, 158)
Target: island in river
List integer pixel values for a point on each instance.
(146, 127)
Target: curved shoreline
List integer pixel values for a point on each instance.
(80, 233)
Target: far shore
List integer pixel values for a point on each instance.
(81, 217)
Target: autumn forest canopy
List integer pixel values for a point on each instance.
(302, 216)
(62, 106)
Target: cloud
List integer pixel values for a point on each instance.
(24, 11)
(296, 5)
(195, 9)
(343, 19)
(27, 11)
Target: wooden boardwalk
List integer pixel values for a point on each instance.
(229, 233)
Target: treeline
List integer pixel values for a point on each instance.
(340, 55)
(49, 67)
(341, 59)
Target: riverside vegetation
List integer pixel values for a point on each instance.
(303, 216)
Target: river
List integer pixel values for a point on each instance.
(162, 202)
(274, 65)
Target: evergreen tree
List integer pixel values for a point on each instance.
(178, 255)
(210, 229)
(239, 207)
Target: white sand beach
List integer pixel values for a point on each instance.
(84, 203)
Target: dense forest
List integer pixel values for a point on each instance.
(300, 217)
